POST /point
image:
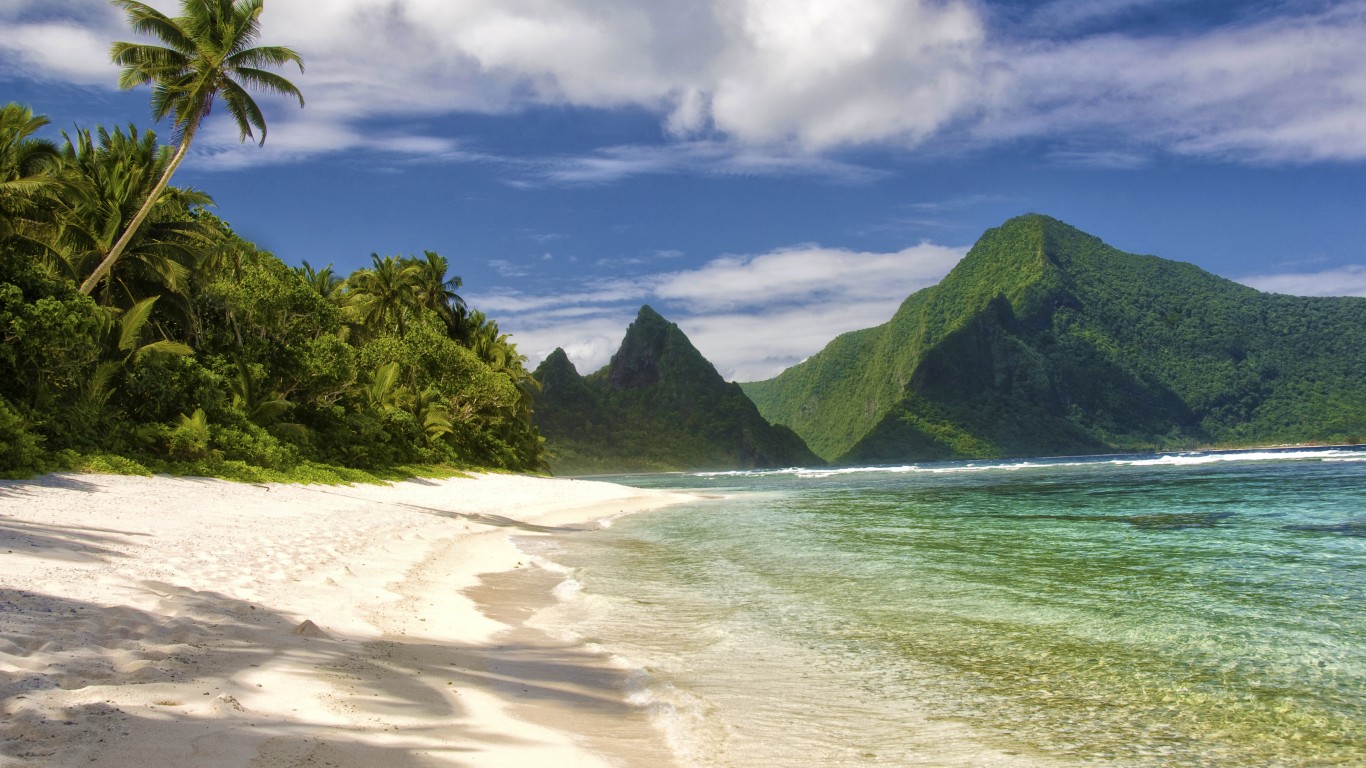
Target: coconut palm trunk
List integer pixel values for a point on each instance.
(107, 264)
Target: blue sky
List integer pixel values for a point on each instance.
(766, 173)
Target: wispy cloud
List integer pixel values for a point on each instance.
(1283, 89)
(58, 50)
(752, 316)
(954, 204)
(1064, 17)
(1340, 281)
(708, 158)
(807, 276)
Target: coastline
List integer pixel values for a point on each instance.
(195, 622)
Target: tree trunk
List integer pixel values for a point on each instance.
(105, 266)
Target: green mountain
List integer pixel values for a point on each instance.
(657, 406)
(1046, 341)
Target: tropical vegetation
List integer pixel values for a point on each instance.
(140, 332)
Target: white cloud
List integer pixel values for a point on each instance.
(59, 51)
(808, 275)
(1282, 89)
(751, 316)
(753, 86)
(831, 72)
(589, 341)
(752, 346)
(711, 158)
(1349, 280)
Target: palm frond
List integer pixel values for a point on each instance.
(244, 111)
(265, 56)
(29, 185)
(269, 411)
(132, 322)
(146, 20)
(268, 81)
(291, 432)
(383, 389)
(163, 347)
(245, 24)
(98, 389)
(149, 61)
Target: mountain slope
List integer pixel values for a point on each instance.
(658, 405)
(1044, 340)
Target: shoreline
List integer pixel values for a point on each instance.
(195, 622)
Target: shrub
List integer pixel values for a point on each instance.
(188, 440)
(20, 452)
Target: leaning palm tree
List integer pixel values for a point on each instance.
(108, 174)
(208, 54)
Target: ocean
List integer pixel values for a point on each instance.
(1203, 609)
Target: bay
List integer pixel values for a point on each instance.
(1186, 609)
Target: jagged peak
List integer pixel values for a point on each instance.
(649, 339)
(559, 359)
(648, 314)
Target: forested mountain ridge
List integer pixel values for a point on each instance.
(658, 405)
(1045, 340)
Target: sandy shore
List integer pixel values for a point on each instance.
(190, 622)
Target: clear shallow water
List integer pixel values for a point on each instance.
(1193, 610)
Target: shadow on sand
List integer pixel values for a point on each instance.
(50, 645)
(72, 543)
(69, 482)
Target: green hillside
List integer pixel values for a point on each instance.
(1045, 340)
(657, 406)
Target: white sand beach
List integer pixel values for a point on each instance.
(192, 622)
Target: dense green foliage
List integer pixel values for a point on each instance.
(201, 353)
(658, 406)
(1046, 341)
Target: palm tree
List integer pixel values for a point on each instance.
(497, 350)
(208, 53)
(324, 280)
(434, 291)
(109, 175)
(27, 167)
(381, 295)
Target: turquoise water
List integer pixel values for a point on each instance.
(1191, 610)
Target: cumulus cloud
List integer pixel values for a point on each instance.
(752, 316)
(729, 76)
(1340, 281)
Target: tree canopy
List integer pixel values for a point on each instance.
(202, 353)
